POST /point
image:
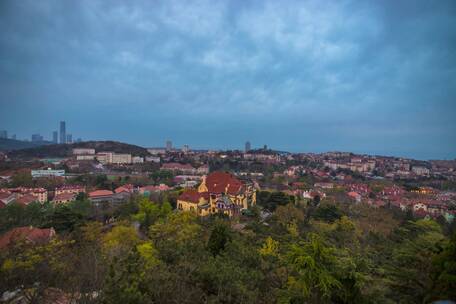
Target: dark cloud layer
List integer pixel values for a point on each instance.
(363, 76)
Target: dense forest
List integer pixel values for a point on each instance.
(281, 252)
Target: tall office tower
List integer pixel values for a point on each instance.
(55, 137)
(37, 137)
(69, 139)
(169, 145)
(3, 134)
(62, 132)
(247, 146)
(186, 148)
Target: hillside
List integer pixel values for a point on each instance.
(7, 144)
(66, 150)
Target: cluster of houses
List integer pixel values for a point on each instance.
(68, 193)
(422, 202)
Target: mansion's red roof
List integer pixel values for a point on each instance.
(219, 182)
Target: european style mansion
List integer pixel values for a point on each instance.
(219, 192)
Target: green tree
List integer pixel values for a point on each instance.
(218, 239)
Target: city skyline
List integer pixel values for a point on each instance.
(367, 77)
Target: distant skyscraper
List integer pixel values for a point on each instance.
(37, 137)
(63, 136)
(55, 137)
(13, 137)
(69, 139)
(185, 148)
(169, 145)
(247, 146)
(265, 147)
(3, 134)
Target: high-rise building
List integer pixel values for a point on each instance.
(3, 134)
(55, 137)
(169, 145)
(37, 137)
(247, 146)
(186, 148)
(63, 136)
(13, 137)
(69, 139)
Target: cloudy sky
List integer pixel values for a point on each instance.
(375, 77)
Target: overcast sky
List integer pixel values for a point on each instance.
(375, 77)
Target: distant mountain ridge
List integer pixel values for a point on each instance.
(65, 150)
(8, 144)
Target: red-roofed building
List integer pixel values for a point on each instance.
(64, 198)
(40, 193)
(129, 188)
(355, 195)
(149, 189)
(219, 192)
(177, 167)
(6, 197)
(69, 189)
(26, 234)
(101, 195)
(26, 199)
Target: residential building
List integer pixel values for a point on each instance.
(156, 151)
(26, 199)
(83, 151)
(121, 158)
(74, 189)
(419, 170)
(37, 138)
(41, 194)
(6, 197)
(27, 234)
(219, 192)
(169, 145)
(55, 137)
(86, 157)
(126, 188)
(104, 157)
(203, 170)
(47, 173)
(177, 167)
(64, 198)
(154, 159)
(248, 147)
(63, 132)
(137, 159)
(101, 196)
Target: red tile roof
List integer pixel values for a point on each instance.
(26, 199)
(28, 234)
(100, 193)
(125, 188)
(219, 182)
